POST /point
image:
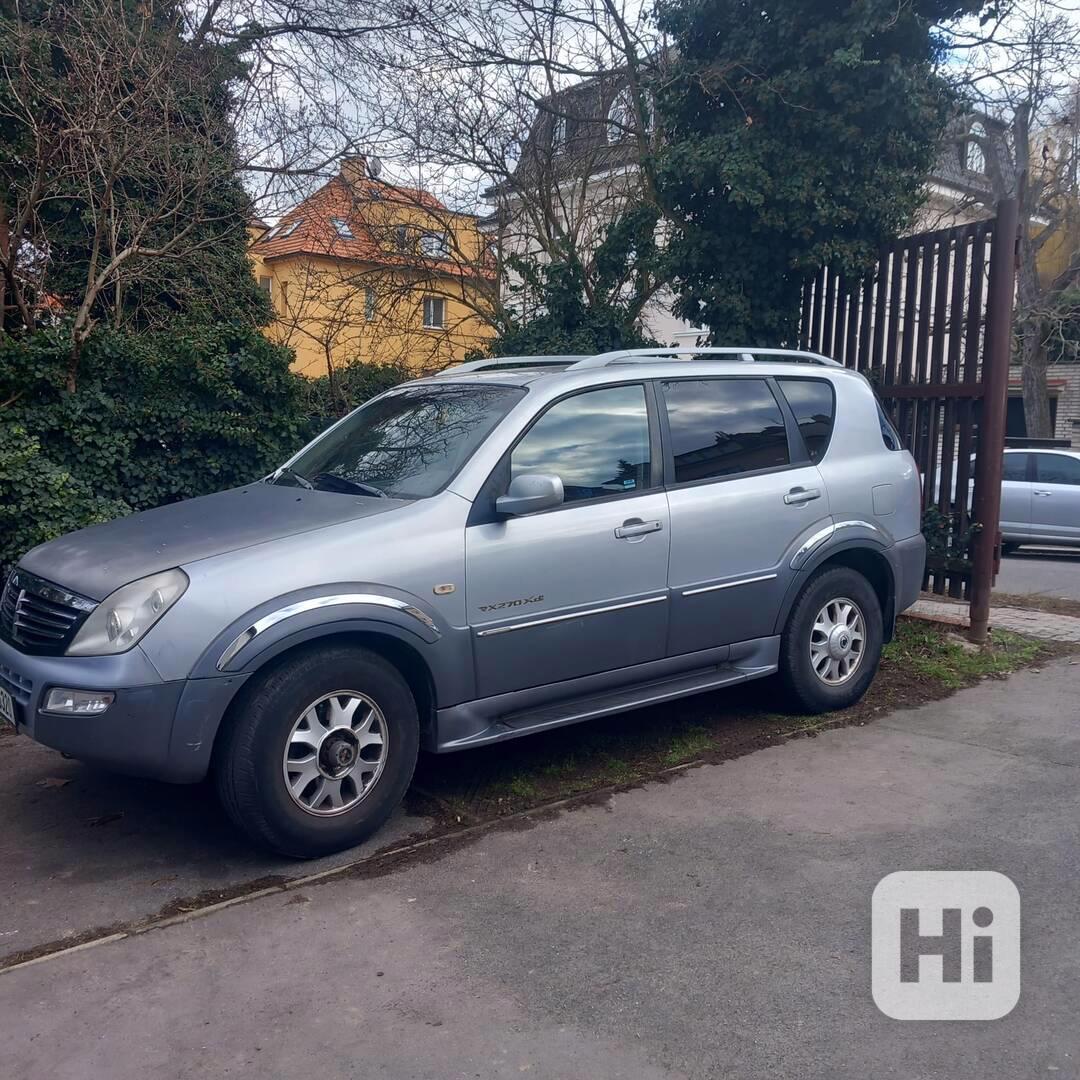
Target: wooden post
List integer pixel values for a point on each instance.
(986, 506)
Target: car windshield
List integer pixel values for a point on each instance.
(407, 444)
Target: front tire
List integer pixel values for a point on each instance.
(320, 752)
(831, 645)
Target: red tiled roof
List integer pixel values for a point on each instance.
(360, 205)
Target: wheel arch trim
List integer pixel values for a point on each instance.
(823, 552)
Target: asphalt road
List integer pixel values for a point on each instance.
(1053, 572)
(714, 926)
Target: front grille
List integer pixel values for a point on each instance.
(18, 686)
(39, 617)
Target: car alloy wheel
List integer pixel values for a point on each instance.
(837, 639)
(335, 753)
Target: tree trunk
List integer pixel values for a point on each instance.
(1036, 398)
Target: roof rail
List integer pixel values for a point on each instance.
(495, 363)
(743, 354)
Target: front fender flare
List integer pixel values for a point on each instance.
(251, 640)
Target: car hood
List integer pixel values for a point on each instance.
(98, 560)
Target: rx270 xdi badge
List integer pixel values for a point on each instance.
(512, 603)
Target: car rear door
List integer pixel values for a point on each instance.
(1016, 496)
(741, 488)
(1055, 502)
(581, 588)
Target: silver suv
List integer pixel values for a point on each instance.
(507, 547)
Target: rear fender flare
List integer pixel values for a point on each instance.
(829, 550)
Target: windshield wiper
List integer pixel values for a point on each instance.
(300, 478)
(325, 480)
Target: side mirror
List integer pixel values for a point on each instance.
(530, 492)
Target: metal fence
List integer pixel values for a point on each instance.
(931, 325)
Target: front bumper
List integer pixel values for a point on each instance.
(163, 730)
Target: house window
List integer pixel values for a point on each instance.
(434, 245)
(620, 122)
(369, 304)
(434, 312)
(266, 283)
(974, 152)
(288, 230)
(558, 134)
(342, 227)
(401, 237)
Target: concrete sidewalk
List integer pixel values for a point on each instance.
(1037, 624)
(713, 926)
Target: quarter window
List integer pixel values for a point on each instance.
(1057, 469)
(721, 427)
(889, 434)
(596, 442)
(814, 405)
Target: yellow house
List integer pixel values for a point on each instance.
(367, 271)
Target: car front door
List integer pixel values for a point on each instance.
(580, 588)
(1016, 496)
(1055, 497)
(739, 497)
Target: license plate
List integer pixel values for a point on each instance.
(7, 708)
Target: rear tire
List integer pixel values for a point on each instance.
(831, 645)
(320, 752)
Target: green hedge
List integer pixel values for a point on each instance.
(156, 418)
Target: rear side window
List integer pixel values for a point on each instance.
(1015, 467)
(814, 405)
(888, 433)
(721, 427)
(1057, 469)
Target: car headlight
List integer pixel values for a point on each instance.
(122, 618)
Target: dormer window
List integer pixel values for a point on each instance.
(342, 228)
(621, 117)
(288, 230)
(973, 149)
(558, 134)
(434, 245)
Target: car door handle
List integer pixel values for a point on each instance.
(1044, 494)
(797, 496)
(636, 527)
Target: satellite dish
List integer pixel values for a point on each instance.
(374, 167)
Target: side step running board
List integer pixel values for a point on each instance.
(573, 711)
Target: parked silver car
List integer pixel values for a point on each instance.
(1040, 498)
(505, 548)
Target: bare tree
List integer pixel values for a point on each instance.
(121, 150)
(1022, 69)
(541, 110)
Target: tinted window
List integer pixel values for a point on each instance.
(724, 426)
(1015, 467)
(814, 406)
(408, 443)
(889, 434)
(597, 443)
(1057, 469)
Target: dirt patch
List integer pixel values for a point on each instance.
(925, 662)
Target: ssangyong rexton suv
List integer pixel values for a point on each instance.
(509, 546)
